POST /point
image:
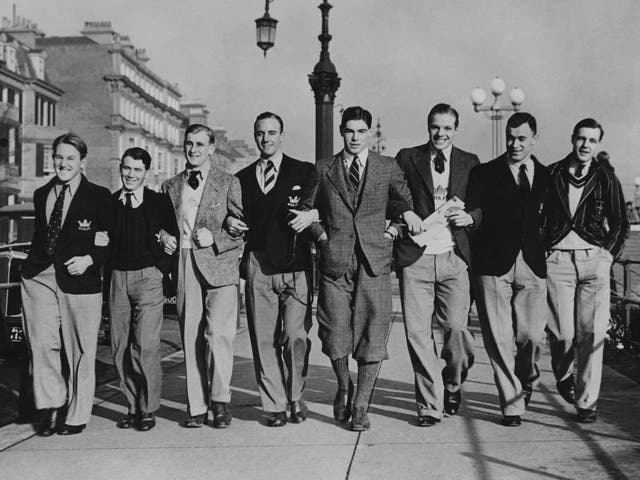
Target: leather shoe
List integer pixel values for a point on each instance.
(567, 390)
(221, 415)
(277, 419)
(129, 421)
(298, 411)
(452, 401)
(71, 429)
(359, 419)
(427, 421)
(342, 404)
(586, 415)
(146, 422)
(527, 391)
(511, 420)
(49, 422)
(195, 421)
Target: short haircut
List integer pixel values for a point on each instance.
(441, 109)
(138, 153)
(355, 113)
(520, 118)
(264, 115)
(197, 128)
(71, 139)
(587, 123)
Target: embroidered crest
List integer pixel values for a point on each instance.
(84, 225)
(599, 206)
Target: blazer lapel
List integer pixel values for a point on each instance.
(561, 187)
(372, 173)
(209, 194)
(588, 188)
(175, 193)
(508, 179)
(76, 201)
(422, 164)
(336, 176)
(456, 170)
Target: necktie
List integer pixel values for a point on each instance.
(127, 200)
(438, 162)
(269, 176)
(55, 221)
(523, 180)
(354, 173)
(193, 180)
(579, 170)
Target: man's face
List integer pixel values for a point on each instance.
(198, 149)
(268, 136)
(132, 173)
(442, 130)
(520, 142)
(585, 144)
(356, 135)
(67, 162)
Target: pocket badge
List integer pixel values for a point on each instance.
(84, 225)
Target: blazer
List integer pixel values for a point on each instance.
(89, 212)
(280, 236)
(415, 162)
(217, 263)
(158, 214)
(363, 222)
(508, 223)
(600, 218)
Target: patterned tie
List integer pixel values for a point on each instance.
(439, 162)
(55, 222)
(193, 180)
(269, 176)
(127, 200)
(523, 180)
(354, 173)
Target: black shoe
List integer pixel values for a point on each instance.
(359, 419)
(195, 421)
(298, 411)
(71, 429)
(427, 421)
(586, 415)
(277, 419)
(221, 415)
(342, 404)
(511, 420)
(146, 422)
(49, 422)
(129, 421)
(452, 401)
(527, 391)
(567, 390)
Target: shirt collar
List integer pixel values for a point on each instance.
(73, 186)
(138, 194)
(516, 165)
(203, 169)
(276, 159)
(362, 157)
(446, 152)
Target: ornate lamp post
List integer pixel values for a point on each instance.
(495, 110)
(266, 29)
(379, 139)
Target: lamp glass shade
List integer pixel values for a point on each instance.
(517, 96)
(266, 32)
(478, 96)
(497, 86)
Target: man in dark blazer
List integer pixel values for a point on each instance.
(207, 295)
(276, 265)
(434, 280)
(352, 194)
(136, 297)
(508, 263)
(61, 289)
(585, 229)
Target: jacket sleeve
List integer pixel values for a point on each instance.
(105, 220)
(222, 240)
(474, 196)
(400, 199)
(616, 218)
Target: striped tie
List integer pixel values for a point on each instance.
(269, 177)
(354, 173)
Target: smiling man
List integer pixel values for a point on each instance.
(585, 229)
(508, 263)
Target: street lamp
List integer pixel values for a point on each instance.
(379, 139)
(266, 29)
(495, 110)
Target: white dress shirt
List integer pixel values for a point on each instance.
(136, 199)
(190, 203)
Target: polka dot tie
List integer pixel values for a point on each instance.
(55, 222)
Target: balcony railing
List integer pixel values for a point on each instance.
(9, 114)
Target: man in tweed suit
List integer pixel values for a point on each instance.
(352, 194)
(207, 299)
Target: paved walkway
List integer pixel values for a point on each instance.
(471, 445)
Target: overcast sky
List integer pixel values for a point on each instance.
(572, 58)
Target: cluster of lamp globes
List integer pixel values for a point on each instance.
(498, 86)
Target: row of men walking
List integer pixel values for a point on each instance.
(530, 240)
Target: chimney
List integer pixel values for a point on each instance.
(99, 32)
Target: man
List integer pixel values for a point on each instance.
(352, 193)
(277, 262)
(434, 280)
(61, 289)
(136, 295)
(207, 298)
(508, 263)
(585, 229)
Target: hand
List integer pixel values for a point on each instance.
(303, 219)
(169, 243)
(203, 237)
(235, 226)
(101, 239)
(414, 222)
(78, 265)
(391, 233)
(459, 218)
(323, 238)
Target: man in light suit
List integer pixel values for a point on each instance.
(207, 299)
(352, 194)
(434, 280)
